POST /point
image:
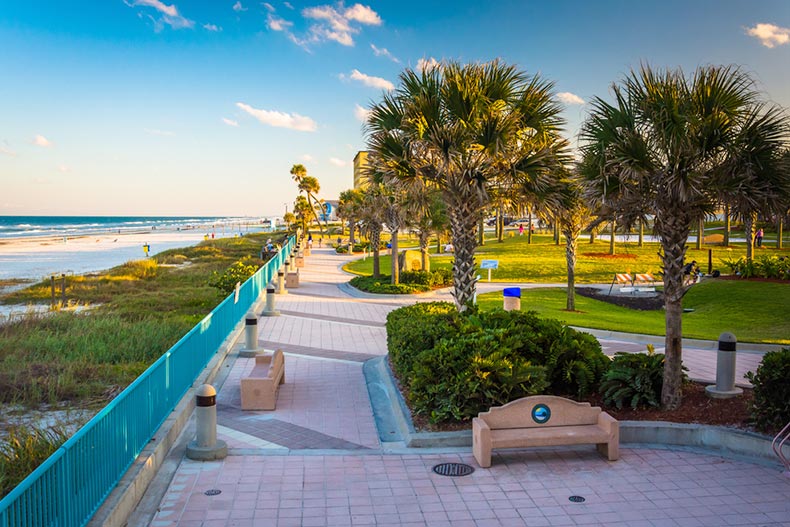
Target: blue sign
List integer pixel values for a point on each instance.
(541, 414)
(489, 264)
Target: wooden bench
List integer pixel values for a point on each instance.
(543, 420)
(259, 390)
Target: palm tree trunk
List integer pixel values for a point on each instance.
(394, 256)
(727, 225)
(613, 229)
(556, 232)
(312, 202)
(424, 238)
(779, 224)
(641, 233)
(529, 229)
(351, 230)
(500, 236)
(481, 240)
(464, 215)
(673, 226)
(748, 227)
(375, 238)
(700, 233)
(592, 235)
(571, 244)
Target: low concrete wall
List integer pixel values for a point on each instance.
(728, 442)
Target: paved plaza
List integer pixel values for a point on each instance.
(318, 460)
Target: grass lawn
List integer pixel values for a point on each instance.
(753, 311)
(544, 262)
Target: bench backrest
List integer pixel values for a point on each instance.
(540, 411)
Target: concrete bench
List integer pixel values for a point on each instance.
(543, 420)
(259, 390)
(292, 280)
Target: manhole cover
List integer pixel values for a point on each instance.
(212, 492)
(577, 499)
(453, 469)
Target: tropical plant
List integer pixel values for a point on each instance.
(664, 147)
(309, 185)
(303, 212)
(771, 405)
(460, 129)
(634, 379)
(239, 272)
(371, 216)
(573, 214)
(348, 209)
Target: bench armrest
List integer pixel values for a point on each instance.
(608, 423)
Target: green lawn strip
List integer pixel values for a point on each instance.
(544, 262)
(753, 311)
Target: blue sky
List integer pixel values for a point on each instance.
(184, 107)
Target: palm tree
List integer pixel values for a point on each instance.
(309, 185)
(371, 217)
(425, 216)
(303, 211)
(659, 149)
(460, 129)
(573, 215)
(348, 209)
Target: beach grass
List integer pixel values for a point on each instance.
(23, 450)
(138, 310)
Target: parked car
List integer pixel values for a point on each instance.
(525, 222)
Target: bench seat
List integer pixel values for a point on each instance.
(259, 389)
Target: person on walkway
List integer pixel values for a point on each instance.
(759, 237)
(521, 230)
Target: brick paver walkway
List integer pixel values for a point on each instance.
(316, 460)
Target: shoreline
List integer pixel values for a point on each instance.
(36, 258)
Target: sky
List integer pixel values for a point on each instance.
(155, 107)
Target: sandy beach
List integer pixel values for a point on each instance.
(37, 258)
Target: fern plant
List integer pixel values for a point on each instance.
(635, 379)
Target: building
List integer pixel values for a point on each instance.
(360, 165)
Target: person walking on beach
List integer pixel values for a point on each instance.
(759, 237)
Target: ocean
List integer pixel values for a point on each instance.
(15, 227)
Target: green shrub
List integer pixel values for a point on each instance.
(441, 277)
(23, 450)
(140, 269)
(461, 376)
(416, 328)
(771, 405)
(635, 379)
(761, 267)
(415, 277)
(240, 271)
(455, 365)
(382, 286)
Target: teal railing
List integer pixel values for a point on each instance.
(68, 488)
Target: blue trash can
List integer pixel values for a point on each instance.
(512, 298)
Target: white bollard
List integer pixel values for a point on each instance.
(269, 310)
(206, 446)
(250, 348)
(725, 369)
(281, 290)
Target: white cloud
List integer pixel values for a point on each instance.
(293, 121)
(288, 5)
(269, 7)
(570, 98)
(238, 7)
(64, 169)
(427, 64)
(40, 140)
(338, 162)
(335, 23)
(275, 23)
(307, 158)
(362, 14)
(384, 52)
(368, 80)
(162, 133)
(7, 151)
(229, 122)
(770, 35)
(170, 14)
(361, 113)
(212, 27)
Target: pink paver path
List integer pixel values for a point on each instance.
(346, 478)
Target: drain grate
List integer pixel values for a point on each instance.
(576, 499)
(453, 469)
(212, 492)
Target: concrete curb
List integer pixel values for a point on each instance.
(716, 440)
(124, 498)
